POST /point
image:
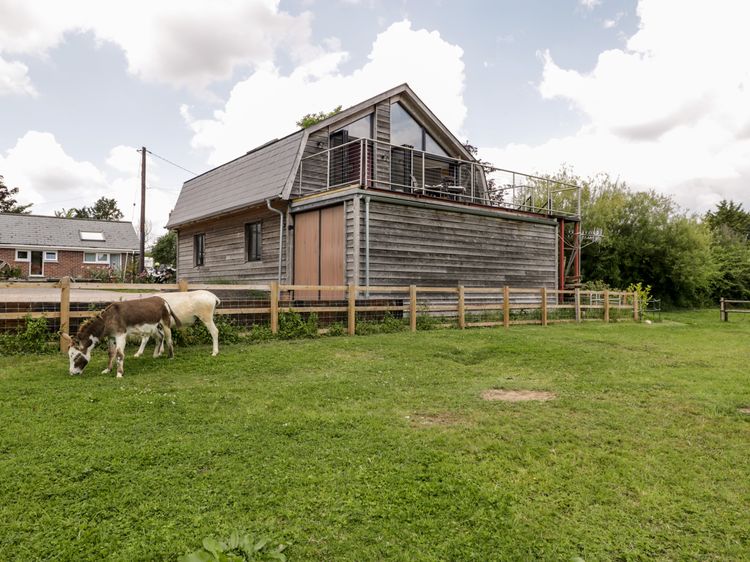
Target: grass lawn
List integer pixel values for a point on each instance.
(381, 447)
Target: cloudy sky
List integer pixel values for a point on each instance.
(655, 92)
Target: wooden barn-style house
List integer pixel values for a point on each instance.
(381, 193)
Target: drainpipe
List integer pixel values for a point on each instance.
(281, 233)
(367, 245)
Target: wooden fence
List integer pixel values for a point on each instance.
(726, 306)
(433, 303)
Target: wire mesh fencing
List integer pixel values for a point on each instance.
(290, 311)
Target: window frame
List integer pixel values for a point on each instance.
(96, 261)
(26, 259)
(92, 235)
(250, 255)
(199, 250)
(50, 260)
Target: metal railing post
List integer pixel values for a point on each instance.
(367, 166)
(328, 168)
(361, 165)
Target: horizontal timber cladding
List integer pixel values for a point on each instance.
(352, 211)
(225, 254)
(314, 165)
(432, 247)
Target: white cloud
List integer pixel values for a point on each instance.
(47, 176)
(669, 111)
(14, 78)
(589, 4)
(178, 42)
(52, 180)
(610, 23)
(267, 104)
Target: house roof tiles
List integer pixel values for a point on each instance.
(19, 230)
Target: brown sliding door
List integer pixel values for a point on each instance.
(319, 251)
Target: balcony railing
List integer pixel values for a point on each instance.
(369, 164)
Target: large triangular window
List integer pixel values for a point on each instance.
(407, 132)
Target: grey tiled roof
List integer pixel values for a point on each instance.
(258, 175)
(54, 232)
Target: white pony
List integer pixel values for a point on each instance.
(187, 306)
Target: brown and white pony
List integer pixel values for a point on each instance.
(117, 321)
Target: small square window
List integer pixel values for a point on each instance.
(199, 249)
(50, 256)
(253, 242)
(22, 255)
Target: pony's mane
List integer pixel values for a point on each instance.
(89, 327)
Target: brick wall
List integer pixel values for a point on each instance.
(68, 263)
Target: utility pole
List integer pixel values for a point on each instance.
(143, 209)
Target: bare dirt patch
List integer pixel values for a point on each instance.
(443, 419)
(745, 410)
(495, 394)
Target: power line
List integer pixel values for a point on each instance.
(170, 162)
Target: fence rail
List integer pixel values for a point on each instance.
(513, 305)
(734, 306)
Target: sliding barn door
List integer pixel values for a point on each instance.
(319, 251)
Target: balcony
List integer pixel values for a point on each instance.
(371, 164)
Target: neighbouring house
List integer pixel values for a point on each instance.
(45, 247)
(382, 193)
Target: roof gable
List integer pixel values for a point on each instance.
(268, 172)
(412, 102)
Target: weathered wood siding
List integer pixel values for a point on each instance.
(225, 249)
(353, 235)
(314, 170)
(431, 247)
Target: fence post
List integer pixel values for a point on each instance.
(351, 310)
(274, 307)
(413, 308)
(723, 310)
(461, 308)
(506, 306)
(183, 285)
(544, 306)
(578, 304)
(635, 306)
(64, 312)
(606, 306)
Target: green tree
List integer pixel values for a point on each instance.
(165, 250)
(645, 238)
(730, 248)
(104, 209)
(312, 118)
(729, 215)
(8, 203)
